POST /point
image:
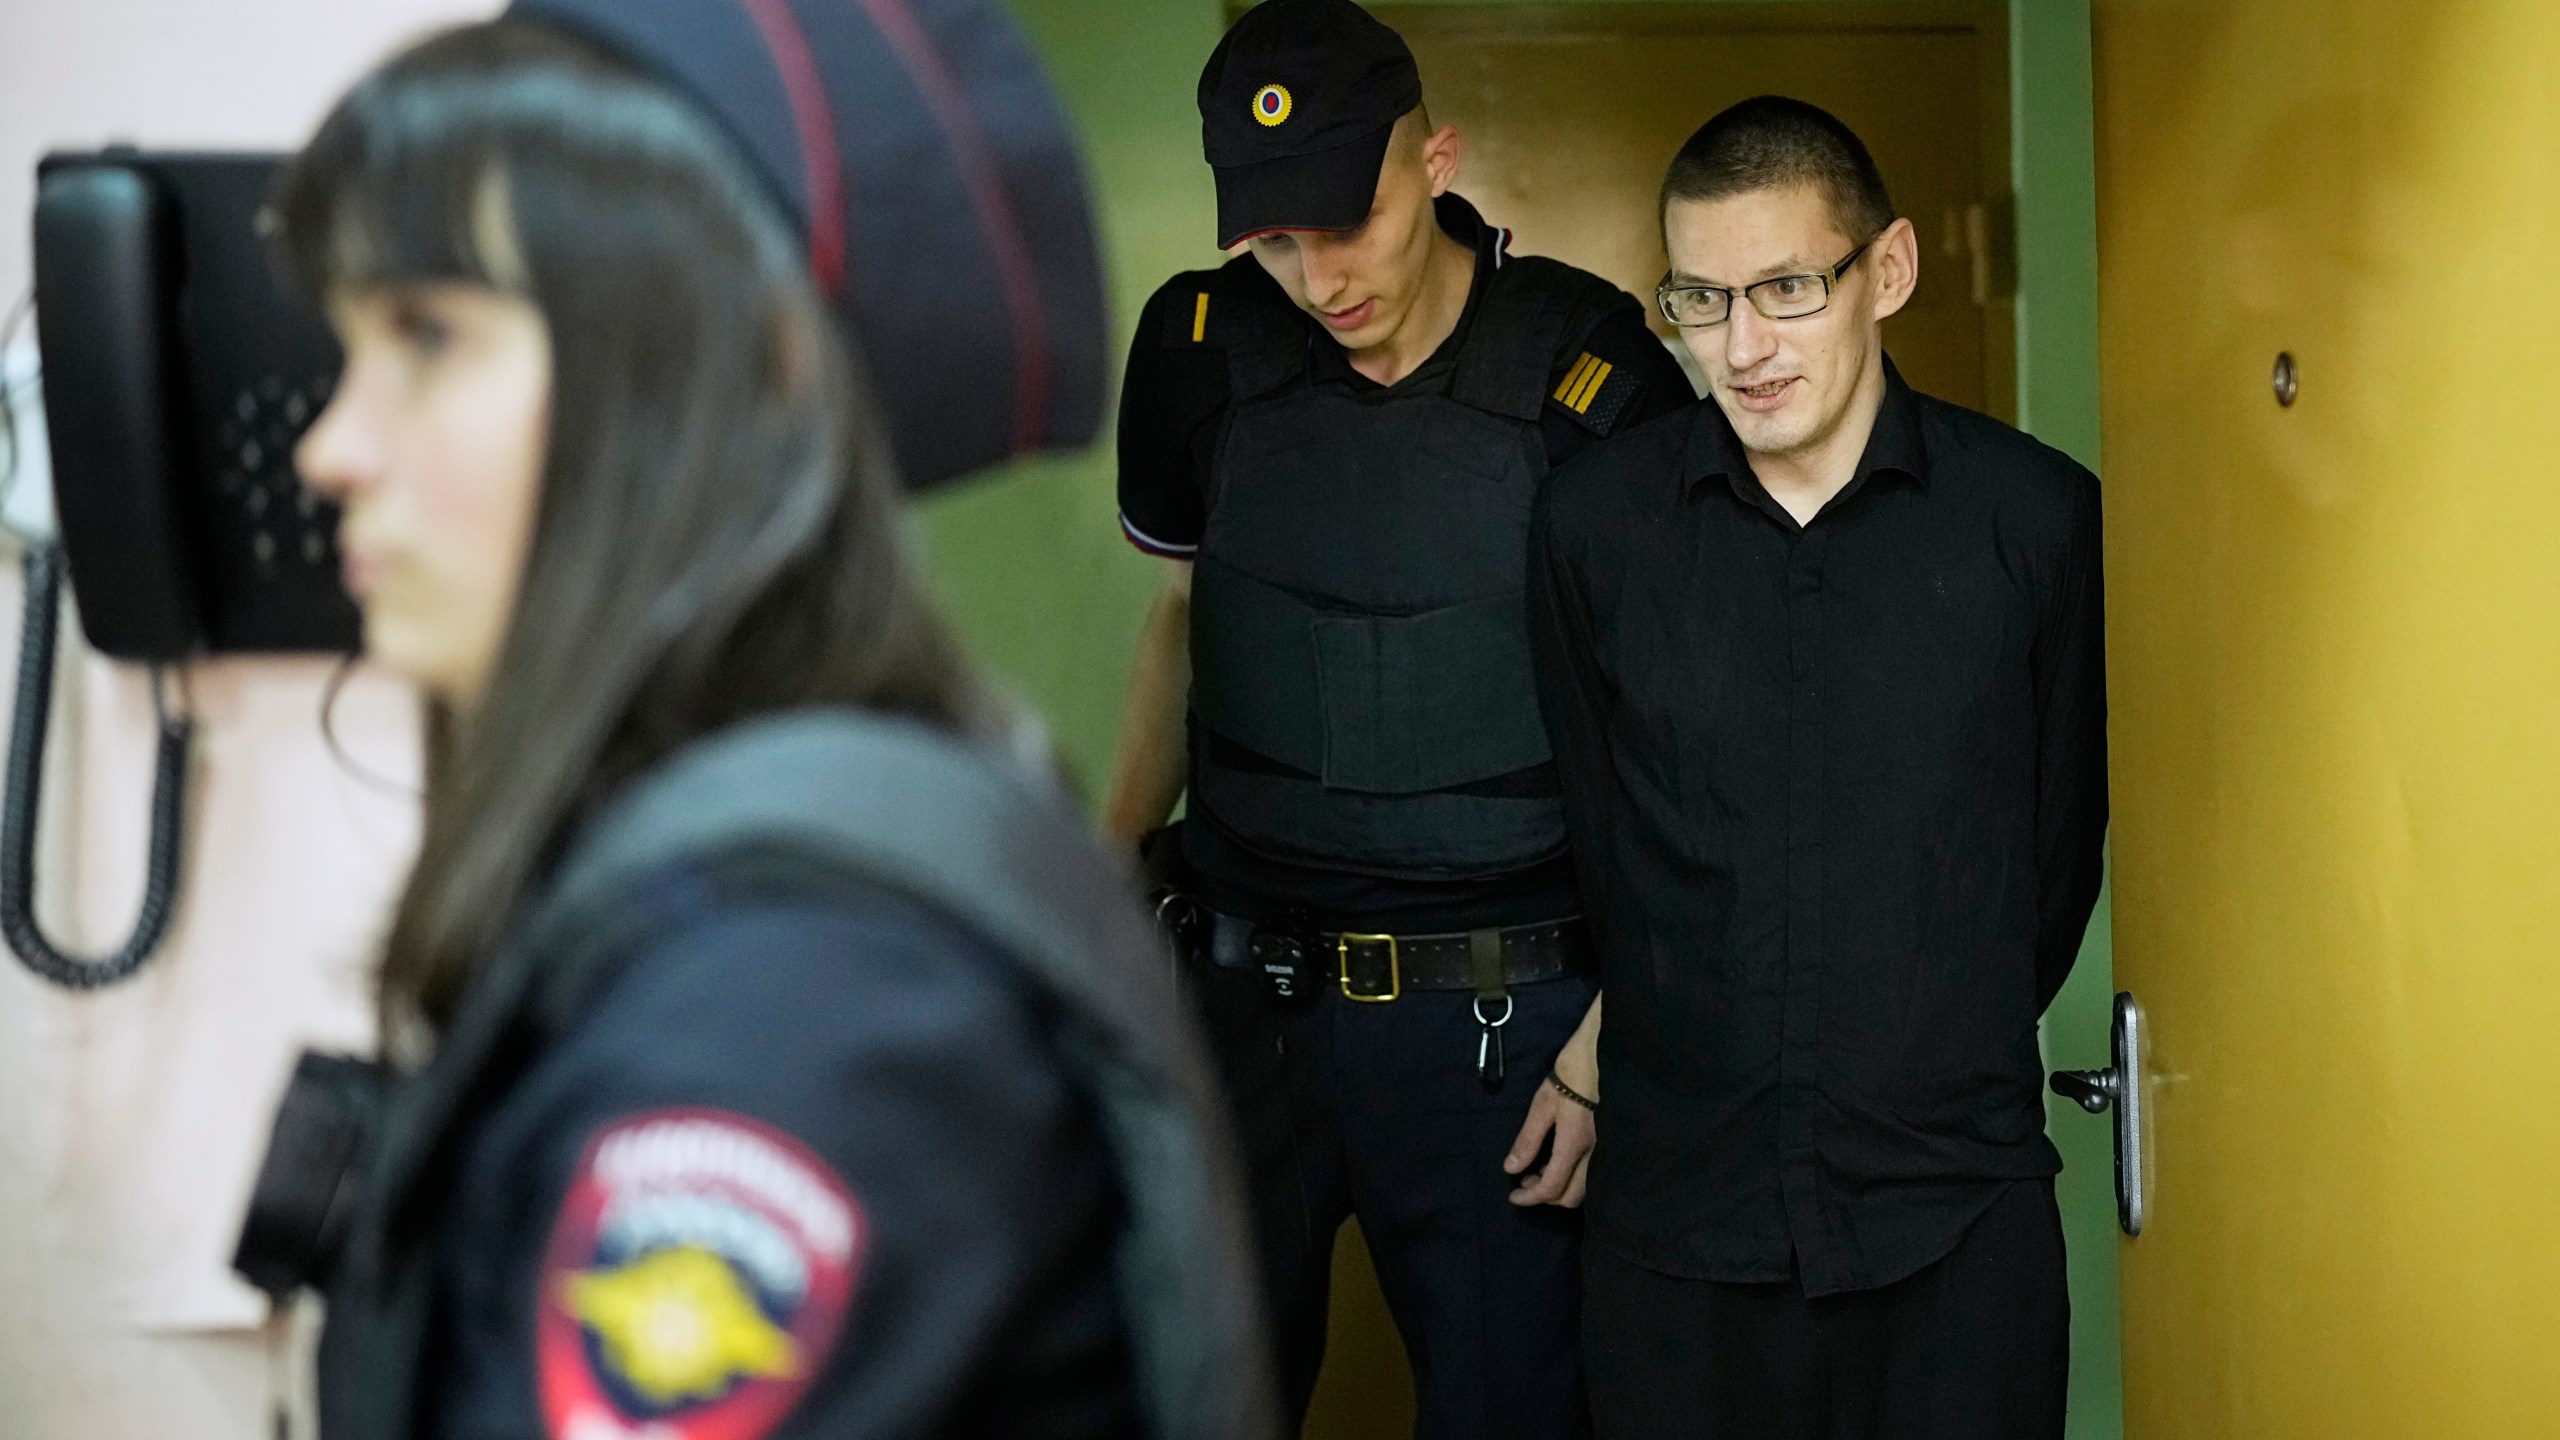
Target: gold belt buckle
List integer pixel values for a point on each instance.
(1395, 967)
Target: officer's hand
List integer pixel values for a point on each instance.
(1562, 1128)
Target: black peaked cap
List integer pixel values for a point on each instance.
(1297, 104)
(932, 168)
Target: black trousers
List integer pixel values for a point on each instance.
(1376, 1111)
(1977, 1346)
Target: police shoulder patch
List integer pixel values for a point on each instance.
(1595, 392)
(696, 1279)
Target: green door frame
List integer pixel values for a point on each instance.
(2053, 165)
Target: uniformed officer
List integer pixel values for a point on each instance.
(1334, 440)
(780, 1058)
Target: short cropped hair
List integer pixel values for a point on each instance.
(1772, 142)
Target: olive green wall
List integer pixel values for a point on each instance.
(1032, 564)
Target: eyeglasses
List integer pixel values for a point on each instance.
(1787, 297)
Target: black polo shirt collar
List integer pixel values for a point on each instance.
(1467, 226)
(1894, 447)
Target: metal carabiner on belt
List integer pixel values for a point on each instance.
(1484, 956)
(1489, 1057)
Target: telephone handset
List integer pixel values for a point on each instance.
(178, 374)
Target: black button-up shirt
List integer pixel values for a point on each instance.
(1838, 796)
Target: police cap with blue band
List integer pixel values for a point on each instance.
(1296, 107)
(921, 149)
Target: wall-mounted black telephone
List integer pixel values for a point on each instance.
(178, 374)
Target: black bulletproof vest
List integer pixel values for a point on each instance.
(1359, 612)
(804, 804)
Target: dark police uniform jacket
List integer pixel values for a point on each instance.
(1367, 750)
(808, 1166)
(773, 1143)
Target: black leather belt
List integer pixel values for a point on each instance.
(1374, 968)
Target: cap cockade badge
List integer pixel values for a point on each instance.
(1271, 104)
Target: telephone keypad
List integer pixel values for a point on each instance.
(265, 421)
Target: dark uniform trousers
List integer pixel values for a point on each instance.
(1976, 1346)
(1377, 1111)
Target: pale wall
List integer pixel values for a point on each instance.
(133, 1117)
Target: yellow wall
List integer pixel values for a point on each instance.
(2335, 637)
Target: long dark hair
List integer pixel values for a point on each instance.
(717, 534)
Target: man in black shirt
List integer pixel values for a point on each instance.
(1825, 661)
(1335, 440)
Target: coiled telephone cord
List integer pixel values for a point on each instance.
(33, 714)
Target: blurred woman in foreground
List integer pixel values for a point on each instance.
(776, 1057)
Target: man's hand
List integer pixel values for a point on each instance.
(1565, 1130)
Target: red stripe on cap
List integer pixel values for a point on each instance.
(949, 103)
(1289, 230)
(816, 124)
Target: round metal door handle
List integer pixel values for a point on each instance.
(2288, 379)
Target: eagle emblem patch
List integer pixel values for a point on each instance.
(696, 1279)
